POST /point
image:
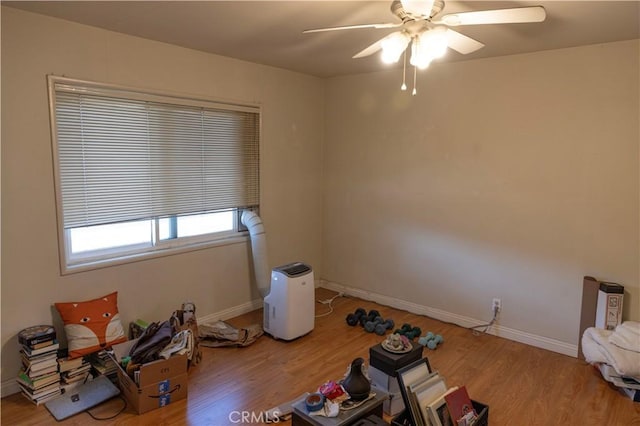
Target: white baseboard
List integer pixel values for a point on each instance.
(10, 387)
(497, 330)
(232, 312)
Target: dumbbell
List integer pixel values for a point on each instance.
(433, 343)
(370, 326)
(404, 329)
(409, 331)
(382, 328)
(369, 317)
(413, 333)
(354, 318)
(430, 340)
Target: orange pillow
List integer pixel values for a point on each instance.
(92, 325)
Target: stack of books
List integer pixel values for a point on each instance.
(38, 378)
(103, 365)
(73, 372)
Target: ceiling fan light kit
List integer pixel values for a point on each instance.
(393, 45)
(428, 46)
(428, 39)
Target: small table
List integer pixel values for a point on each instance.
(373, 406)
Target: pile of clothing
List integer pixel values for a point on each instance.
(617, 354)
(161, 340)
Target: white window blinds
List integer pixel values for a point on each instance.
(128, 156)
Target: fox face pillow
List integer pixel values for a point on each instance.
(91, 325)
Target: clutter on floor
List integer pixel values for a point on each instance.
(371, 322)
(147, 379)
(331, 405)
(616, 353)
(86, 396)
(397, 382)
(220, 334)
(39, 379)
(151, 369)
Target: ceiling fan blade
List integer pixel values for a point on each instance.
(370, 50)
(500, 16)
(352, 27)
(461, 43)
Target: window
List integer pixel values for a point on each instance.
(142, 174)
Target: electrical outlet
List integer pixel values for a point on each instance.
(496, 306)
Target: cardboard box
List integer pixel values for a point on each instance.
(160, 383)
(388, 384)
(394, 405)
(383, 381)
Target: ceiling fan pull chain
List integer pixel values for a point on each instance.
(415, 73)
(404, 72)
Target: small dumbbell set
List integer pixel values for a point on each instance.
(431, 340)
(373, 322)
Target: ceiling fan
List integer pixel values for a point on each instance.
(427, 35)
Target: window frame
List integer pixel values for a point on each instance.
(106, 257)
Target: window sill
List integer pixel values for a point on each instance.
(160, 252)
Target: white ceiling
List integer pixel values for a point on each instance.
(270, 32)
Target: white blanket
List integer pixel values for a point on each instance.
(597, 348)
(627, 336)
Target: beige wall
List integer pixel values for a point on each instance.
(510, 177)
(215, 279)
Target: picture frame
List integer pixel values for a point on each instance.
(423, 383)
(412, 374)
(428, 392)
(438, 412)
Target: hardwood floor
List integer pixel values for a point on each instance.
(522, 385)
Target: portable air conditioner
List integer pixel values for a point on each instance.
(289, 308)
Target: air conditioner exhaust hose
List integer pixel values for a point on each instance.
(258, 250)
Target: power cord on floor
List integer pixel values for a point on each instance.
(113, 416)
(330, 303)
(477, 332)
